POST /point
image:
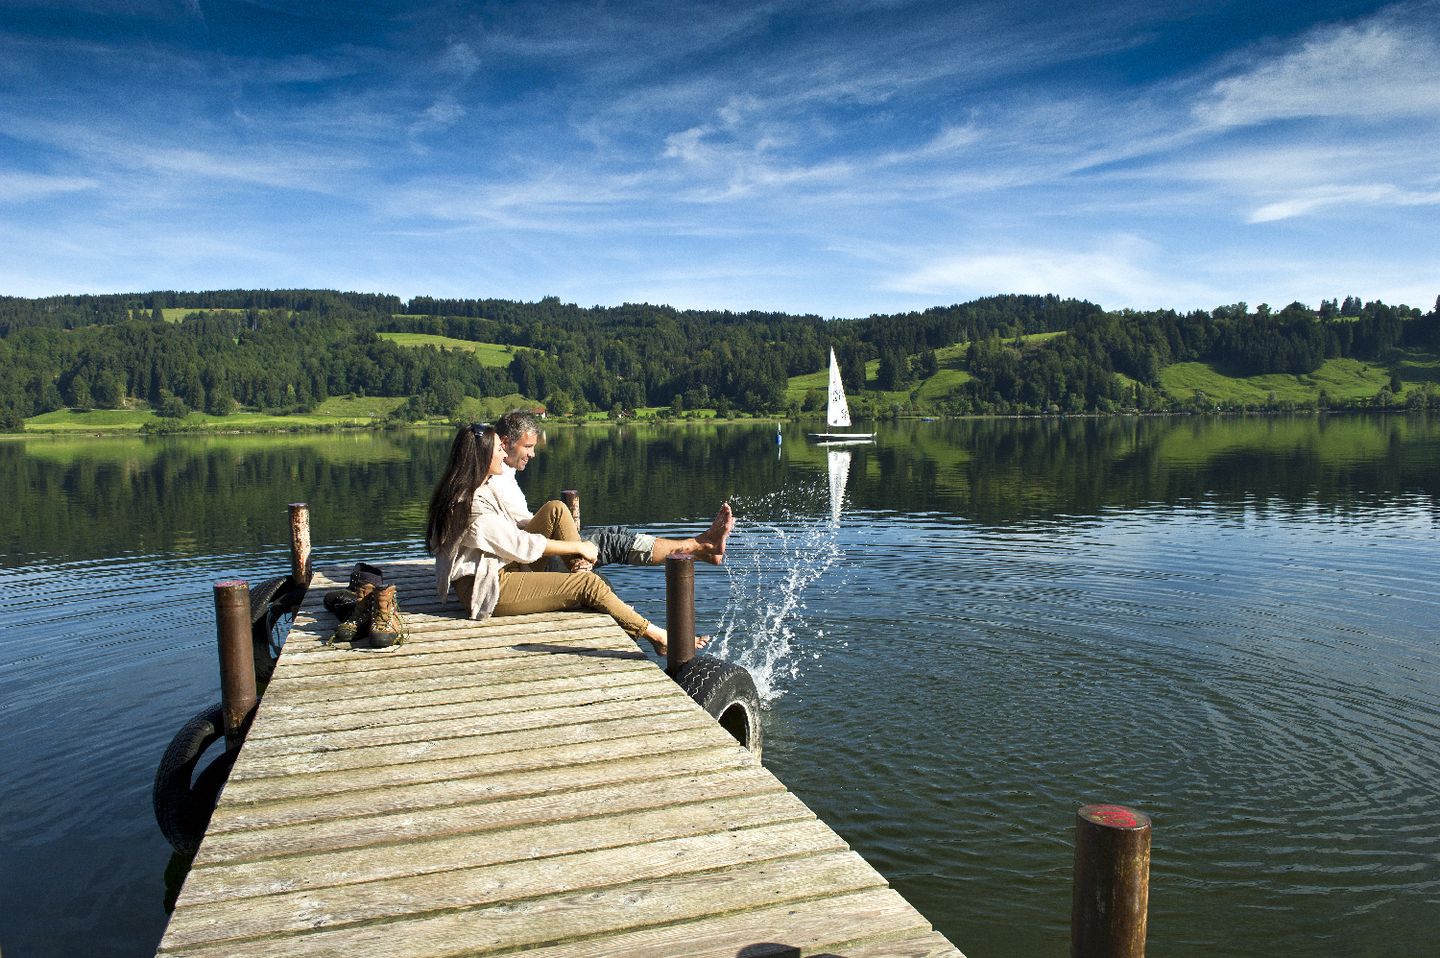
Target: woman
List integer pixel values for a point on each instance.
(490, 562)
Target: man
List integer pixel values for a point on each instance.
(519, 431)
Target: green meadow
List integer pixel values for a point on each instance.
(1340, 379)
(489, 354)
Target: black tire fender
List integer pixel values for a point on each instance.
(184, 801)
(728, 693)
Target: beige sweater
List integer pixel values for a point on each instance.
(490, 541)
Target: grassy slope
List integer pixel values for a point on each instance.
(174, 314)
(1341, 379)
(337, 411)
(489, 354)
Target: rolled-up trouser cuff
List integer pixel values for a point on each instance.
(620, 545)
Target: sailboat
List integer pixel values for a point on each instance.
(837, 413)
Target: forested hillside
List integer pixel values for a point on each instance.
(287, 350)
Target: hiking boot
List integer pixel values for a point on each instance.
(345, 632)
(364, 572)
(386, 628)
(356, 626)
(342, 603)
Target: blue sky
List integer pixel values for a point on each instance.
(839, 158)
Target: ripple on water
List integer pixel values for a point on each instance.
(1264, 687)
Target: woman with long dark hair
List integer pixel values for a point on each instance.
(493, 565)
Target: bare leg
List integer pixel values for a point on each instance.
(660, 640)
(708, 546)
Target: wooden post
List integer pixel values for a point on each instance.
(571, 498)
(300, 568)
(1111, 896)
(679, 612)
(237, 658)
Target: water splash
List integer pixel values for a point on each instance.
(789, 543)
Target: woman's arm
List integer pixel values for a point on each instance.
(563, 547)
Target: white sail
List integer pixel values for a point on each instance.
(839, 473)
(838, 411)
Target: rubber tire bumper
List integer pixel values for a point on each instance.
(728, 693)
(183, 801)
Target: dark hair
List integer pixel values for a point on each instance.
(516, 423)
(469, 464)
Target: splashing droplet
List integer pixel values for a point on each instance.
(792, 544)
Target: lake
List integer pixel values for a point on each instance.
(1229, 624)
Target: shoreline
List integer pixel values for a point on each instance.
(108, 431)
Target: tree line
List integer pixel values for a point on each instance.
(288, 350)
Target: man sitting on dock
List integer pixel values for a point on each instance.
(519, 431)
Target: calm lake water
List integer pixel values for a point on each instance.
(1229, 624)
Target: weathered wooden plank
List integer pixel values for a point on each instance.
(213, 882)
(402, 665)
(367, 828)
(674, 718)
(435, 708)
(282, 715)
(429, 729)
(828, 927)
(448, 626)
(589, 913)
(923, 945)
(340, 660)
(411, 773)
(463, 679)
(636, 771)
(473, 887)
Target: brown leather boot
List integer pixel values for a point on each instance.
(386, 628)
(343, 603)
(357, 626)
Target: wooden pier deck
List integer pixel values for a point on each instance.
(530, 784)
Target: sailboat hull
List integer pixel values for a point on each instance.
(840, 438)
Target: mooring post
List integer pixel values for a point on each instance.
(237, 658)
(571, 498)
(299, 544)
(1111, 896)
(679, 612)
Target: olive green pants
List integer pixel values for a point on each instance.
(524, 590)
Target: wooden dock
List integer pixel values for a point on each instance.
(530, 784)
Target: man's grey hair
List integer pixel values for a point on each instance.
(516, 423)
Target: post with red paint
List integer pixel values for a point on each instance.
(1111, 897)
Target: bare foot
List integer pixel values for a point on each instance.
(711, 543)
(661, 644)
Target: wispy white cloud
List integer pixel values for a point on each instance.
(1121, 269)
(1311, 201)
(23, 187)
(1386, 67)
